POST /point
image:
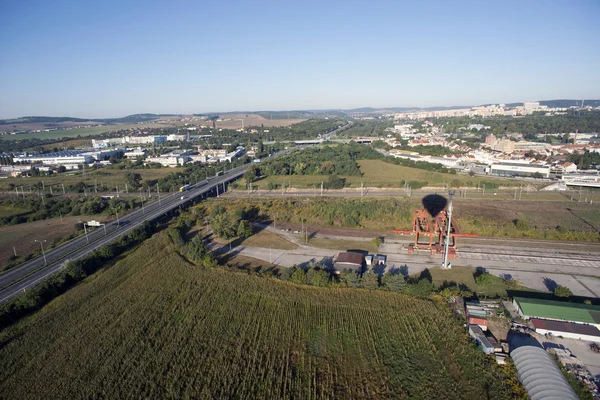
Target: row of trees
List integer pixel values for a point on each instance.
(317, 274)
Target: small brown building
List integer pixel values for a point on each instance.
(353, 261)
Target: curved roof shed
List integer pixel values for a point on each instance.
(540, 375)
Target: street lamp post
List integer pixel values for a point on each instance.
(85, 230)
(449, 223)
(41, 242)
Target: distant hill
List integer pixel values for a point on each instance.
(293, 114)
(130, 119)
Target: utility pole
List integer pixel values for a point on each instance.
(63, 186)
(86, 234)
(118, 223)
(14, 251)
(41, 242)
(521, 192)
(217, 191)
(449, 223)
(321, 188)
(361, 189)
(158, 194)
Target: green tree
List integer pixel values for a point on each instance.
(251, 174)
(244, 229)
(350, 278)
(299, 276)
(196, 249)
(562, 291)
(133, 179)
(370, 280)
(377, 242)
(393, 282)
(222, 226)
(285, 274)
(317, 276)
(422, 288)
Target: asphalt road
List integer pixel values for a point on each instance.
(25, 276)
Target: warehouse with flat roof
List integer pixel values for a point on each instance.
(558, 310)
(566, 329)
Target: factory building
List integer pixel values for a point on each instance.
(561, 318)
(519, 169)
(169, 161)
(566, 329)
(68, 157)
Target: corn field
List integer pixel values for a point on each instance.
(155, 326)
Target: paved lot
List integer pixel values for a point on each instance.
(579, 348)
(534, 272)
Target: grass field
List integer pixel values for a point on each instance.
(155, 326)
(82, 131)
(463, 275)
(103, 176)
(268, 239)
(377, 173)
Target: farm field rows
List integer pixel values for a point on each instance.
(155, 326)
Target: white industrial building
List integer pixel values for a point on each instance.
(519, 169)
(135, 153)
(169, 161)
(58, 158)
(145, 139)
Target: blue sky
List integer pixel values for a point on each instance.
(113, 58)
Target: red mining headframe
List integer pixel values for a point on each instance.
(430, 227)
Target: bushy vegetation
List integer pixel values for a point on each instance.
(327, 160)
(389, 214)
(155, 326)
(35, 208)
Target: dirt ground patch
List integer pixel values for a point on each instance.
(233, 121)
(22, 236)
(244, 262)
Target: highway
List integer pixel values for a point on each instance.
(28, 274)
